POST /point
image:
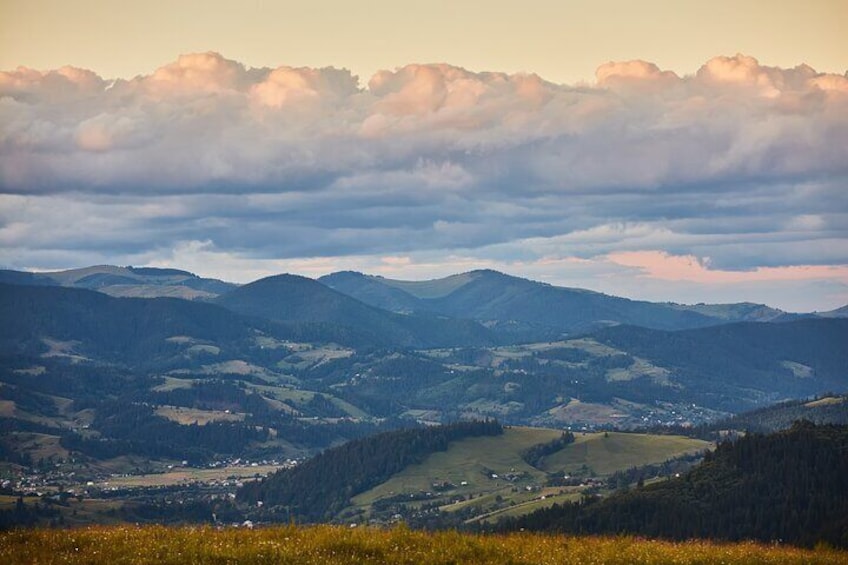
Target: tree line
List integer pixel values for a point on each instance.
(322, 486)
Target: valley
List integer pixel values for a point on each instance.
(424, 283)
(161, 401)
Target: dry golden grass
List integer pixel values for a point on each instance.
(328, 544)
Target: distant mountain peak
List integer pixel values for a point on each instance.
(293, 298)
(283, 277)
(348, 275)
(129, 281)
(506, 301)
(485, 272)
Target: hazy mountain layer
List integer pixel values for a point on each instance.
(534, 310)
(137, 282)
(291, 298)
(298, 367)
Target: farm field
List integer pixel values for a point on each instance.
(189, 475)
(328, 544)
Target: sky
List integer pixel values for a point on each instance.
(673, 151)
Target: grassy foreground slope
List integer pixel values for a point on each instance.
(326, 544)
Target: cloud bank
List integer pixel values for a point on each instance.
(739, 168)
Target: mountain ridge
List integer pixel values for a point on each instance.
(495, 298)
(289, 298)
(394, 295)
(129, 281)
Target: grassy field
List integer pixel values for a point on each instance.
(606, 453)
(473, 460)
(470, 460)
(826, 401)
(491, 475)
(528, 502)
(173, 383)
(336, 545)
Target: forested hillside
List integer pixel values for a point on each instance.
(126, 331)
(790, 487)
(324, 485)
(825, 410)
(722, 365)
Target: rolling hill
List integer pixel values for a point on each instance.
(455, 474)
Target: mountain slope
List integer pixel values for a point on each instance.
(374, 291)
(837, 313)
(323, 485)
(292, 298)
(135, 282)
(530, 309)
(826, 410)
(490, 295)
(723, 366)
(790, 486)
(738, 312)
(122, 330)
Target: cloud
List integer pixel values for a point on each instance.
(286, 86)
(635, 74)
(663, 266)
(740, 162)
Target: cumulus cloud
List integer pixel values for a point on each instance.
(740, 162)
(635, 74)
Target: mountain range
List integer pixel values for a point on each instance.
(137, 282)
(291, 298)
(316, 362)
(535, 309)
(513, 309)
